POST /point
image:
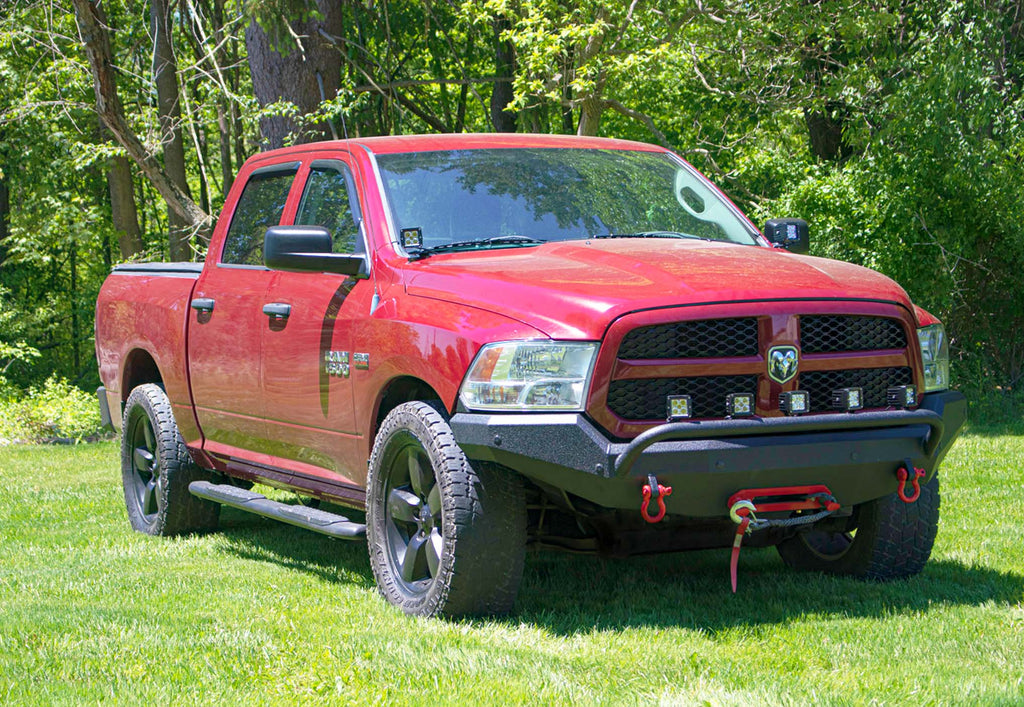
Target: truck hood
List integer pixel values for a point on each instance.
(574, 289)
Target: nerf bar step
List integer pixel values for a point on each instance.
(304, 517)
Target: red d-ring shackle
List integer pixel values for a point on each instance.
(653, 488)
(902, 474)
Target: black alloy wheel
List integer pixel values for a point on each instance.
(446, 536)
(146, 480)
(415, 543)
(156, 469)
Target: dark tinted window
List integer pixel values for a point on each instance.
(327, 202)
(260, 207)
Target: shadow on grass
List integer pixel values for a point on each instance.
(692, 590)
(251, 537)
(569, 594)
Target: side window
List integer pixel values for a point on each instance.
(259, 208)
(328, 201)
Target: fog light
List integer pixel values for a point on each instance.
(739, 404)
(904, 396)
(795, 402)
(680, 407)
(848, 399)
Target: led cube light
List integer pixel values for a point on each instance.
(680, 407)
(904, 396)
(739, 404)
(848, 399)
(795, 402)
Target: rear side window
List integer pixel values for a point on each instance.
(259, 208)
(328, 201)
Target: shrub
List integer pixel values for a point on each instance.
(55, 412)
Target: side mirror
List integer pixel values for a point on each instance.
(308, 249)
(788, 233)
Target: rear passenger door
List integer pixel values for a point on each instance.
(226, 321)
(308, 362)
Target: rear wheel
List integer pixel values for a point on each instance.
(156, 469)
(891, 540)
(445, 537)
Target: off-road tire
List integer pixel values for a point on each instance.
(479, 527)
(893, 540)
(156, 469)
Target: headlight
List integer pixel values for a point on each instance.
(529, 375)
(935, 353)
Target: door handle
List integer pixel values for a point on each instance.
(277, 309)
(202, 304)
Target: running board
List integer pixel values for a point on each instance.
(303, 516)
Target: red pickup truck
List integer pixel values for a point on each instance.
(489, 342)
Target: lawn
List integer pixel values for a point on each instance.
(262, 613)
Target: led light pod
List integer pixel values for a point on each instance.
(848, 399)
(680, 407)
(904, 396)
(739, 404)
(795, 402)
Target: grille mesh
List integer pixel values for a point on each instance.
(834, 334)
(646, 399)
(874, 381)
(711, 338)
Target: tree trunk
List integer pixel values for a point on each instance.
(73, 298)
(304, 75)
(504, 120)
(591, 110)
(5, 202)
(123, 211)
(92, 29)
(168, 99)
(825, 132)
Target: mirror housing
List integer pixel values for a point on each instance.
(308, 249)
(789, 233)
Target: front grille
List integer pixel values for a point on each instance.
(836, 334)
(646, 399)
(710, 338)
(874, 382)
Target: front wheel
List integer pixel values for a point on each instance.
(446, 538)
(156, 469)
(892, 540)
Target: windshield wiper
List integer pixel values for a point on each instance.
(481, 243)
(651, 234)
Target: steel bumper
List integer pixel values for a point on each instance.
(855, 454)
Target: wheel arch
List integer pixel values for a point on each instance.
(398, 390)
(139, 368)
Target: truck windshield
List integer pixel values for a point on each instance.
(524, 195)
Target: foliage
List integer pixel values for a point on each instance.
(92, 612)
(895, 127)
(54, 412)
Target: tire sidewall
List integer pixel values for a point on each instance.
(177, 510)
(402, 427)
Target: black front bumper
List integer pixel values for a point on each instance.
(855, 454)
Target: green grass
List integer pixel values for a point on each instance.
(261, 613)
